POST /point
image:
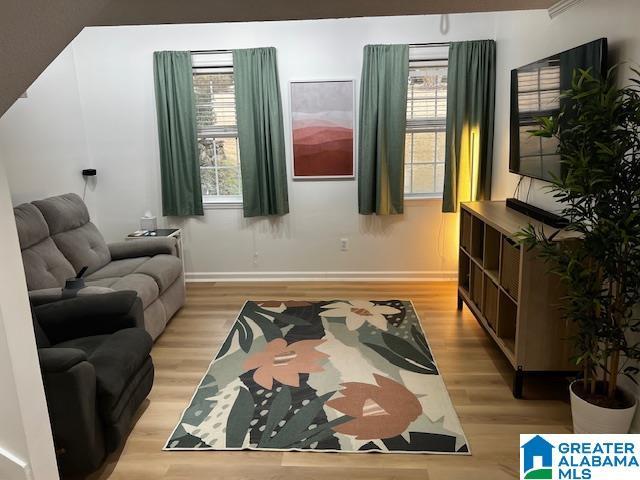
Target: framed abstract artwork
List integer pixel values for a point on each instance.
(323, 133)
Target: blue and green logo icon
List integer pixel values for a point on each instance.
(537, 459)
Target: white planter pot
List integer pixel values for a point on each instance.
(589, 418)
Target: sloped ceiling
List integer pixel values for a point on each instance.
(34, 32)
(203, 11)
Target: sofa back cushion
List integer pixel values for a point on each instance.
(73, 233)
(44, 264)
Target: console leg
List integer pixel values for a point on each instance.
(459, 301)
(518, 383)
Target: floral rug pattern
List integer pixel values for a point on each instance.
(349, 376)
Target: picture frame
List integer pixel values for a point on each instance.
(323, 129)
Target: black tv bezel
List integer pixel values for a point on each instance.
(514, 124)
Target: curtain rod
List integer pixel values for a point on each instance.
(429, 44)
(211, 51)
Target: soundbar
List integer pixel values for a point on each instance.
(536, 213)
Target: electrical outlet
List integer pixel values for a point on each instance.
(344, 244)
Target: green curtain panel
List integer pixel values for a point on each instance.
(179, 167)
(383, 118)
(470, 115)
(260, 132)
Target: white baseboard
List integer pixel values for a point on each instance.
(382, 276)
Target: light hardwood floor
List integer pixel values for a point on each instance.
(476, 374)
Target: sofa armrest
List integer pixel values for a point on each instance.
(143, 247)
(48, 295)
(70, 389)
(56, 360)
(88, 315)
(45, 295)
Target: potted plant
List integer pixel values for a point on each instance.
(599, 194)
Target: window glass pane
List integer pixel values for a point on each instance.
(215, 99)
(407, 178)
(440, 177)
(427, 92)
(442, 146)
(408, 148)
(229, 181)
(205, 152)
(423, 178)
(227, 152)
(424, 146)
(209, 184)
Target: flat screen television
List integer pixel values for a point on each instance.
(535, 92)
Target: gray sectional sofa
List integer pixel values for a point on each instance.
(57, 239)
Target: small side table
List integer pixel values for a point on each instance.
(163, 232)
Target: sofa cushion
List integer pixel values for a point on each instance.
(103, 282)
(116, 359)
(118, 268)
(84, 246)
(45, 266)
(63, 212)
(145, 286)
(31, 226)
(86, 344)
(77, 238)
(164, 269)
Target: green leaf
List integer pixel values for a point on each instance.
(421, 341)
(404, 349)
(227, 343)
(269, 329)
(283, 317)
(320, 433)
(398, 361)
(240, 418)
(299, 423)
(246, 337)
(278, 410)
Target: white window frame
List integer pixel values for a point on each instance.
(217, 62)
(438, 56)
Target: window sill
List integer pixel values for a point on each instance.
(221, 205)
(421, 198)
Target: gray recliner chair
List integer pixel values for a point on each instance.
(57, 239)
(96, 370)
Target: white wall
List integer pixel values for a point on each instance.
(114, 67)
(42, 137)
(525, 37)
(26, 445)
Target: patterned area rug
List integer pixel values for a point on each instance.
(330, 376)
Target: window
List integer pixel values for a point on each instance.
(217, 128)
(426, 125)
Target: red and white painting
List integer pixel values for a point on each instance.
(323, 133)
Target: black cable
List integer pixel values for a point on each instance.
(516, 192)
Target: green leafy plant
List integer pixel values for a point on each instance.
(599, 193)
